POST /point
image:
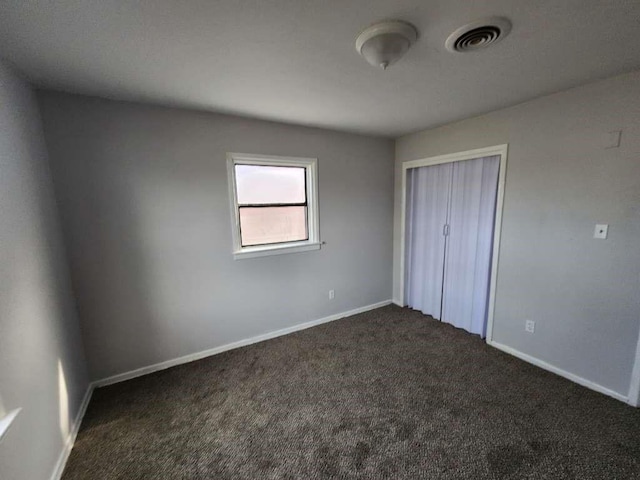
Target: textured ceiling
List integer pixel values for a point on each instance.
(295, 61)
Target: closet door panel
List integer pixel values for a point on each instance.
(469, 245)
(427, 199)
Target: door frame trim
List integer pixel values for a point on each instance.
(501, 150)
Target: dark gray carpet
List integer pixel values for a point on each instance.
(385, 394)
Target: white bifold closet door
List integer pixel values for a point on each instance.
(427, 204)
(450, 224)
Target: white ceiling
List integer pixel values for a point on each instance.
(295, 61)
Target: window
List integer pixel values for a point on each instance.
(274, 204)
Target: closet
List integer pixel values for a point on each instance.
(450, 219)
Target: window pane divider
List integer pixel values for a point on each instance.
(273, 205)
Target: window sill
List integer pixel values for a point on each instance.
(264, 251)
(7, 420)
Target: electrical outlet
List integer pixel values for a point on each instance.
(601, 231)
(529, 326)
(332, 294)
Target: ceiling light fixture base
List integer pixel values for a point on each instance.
(384, 43)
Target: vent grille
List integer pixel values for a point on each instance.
(477, 38)
(477, 35)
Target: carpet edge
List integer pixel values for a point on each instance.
(558, 371)
(138, 372)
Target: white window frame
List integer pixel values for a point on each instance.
(313, 224)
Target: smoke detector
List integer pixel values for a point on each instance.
(479, 34)
(384, 43)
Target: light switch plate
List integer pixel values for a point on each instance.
(601, 231)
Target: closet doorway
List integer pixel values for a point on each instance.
(450, 223)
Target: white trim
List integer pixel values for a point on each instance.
(313, 217)
(634, 385)
(266, 250)
(230, 346)
(501, 150)
(71, 439)
(502, 177)
(558, 371)
(7, 421)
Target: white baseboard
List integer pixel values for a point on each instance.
(71, 439)
(634, 385)
(397, 302)
(64, 455)
(558, 371)
(66, 450)
(230, 346)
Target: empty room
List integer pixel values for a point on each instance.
(304, 239)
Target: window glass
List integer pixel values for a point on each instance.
(265, 225)
(261, 185)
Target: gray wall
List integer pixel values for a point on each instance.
(145, 210)
(584, 294)
(42, 366)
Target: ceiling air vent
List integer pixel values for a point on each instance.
(479, 34)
